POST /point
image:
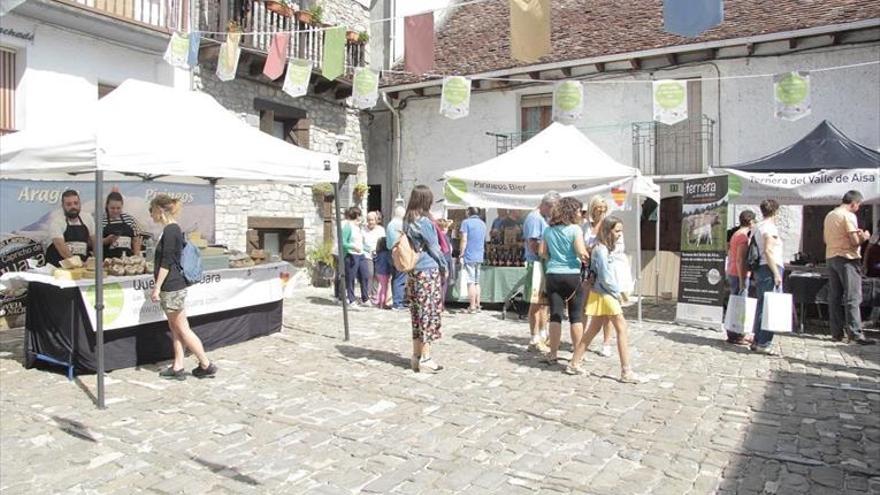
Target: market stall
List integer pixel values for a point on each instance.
(157, 133)
(817, 170)
(560, 158)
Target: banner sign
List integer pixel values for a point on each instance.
(296, 81)
(177, 52)
(227, 61)
(365, 88)
(455, 101)
(525, 195)
(826, 186)
(127, 300)
(670, 101)
(30, 206)
(791, 92)
(703, 250)
(568, 102)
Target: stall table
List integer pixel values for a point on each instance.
(227, 307)
(811, 287)
(497, 284)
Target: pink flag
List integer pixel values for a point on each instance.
(418, 41)
(277, 59)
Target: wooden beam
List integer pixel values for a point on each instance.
(535, 75)
(713, 53)
(750, 49)
(419, 91)
(837, 38)
(635, 63)
(792, 44)
(566, 71)
(600, 67)
(343, 92)
(671, 59)
(394, 95)
(324, 86)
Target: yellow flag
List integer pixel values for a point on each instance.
(529, 29)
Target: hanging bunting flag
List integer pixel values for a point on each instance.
(529, 29)
(193, 57)
(568, 102)
(274, 66)
(691, 17)
(227, 61)
(455, 101)
(670, 101)
(177, 51)
(792, 94)
(296, 82)
(365, 88)
(333, 65)
(418, 43)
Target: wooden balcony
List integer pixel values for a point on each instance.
(163, 15)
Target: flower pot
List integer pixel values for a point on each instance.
(304, 17)
(279, 8)
(322, 275)
(352, 36)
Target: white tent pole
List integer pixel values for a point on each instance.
(99, 284)
(639, 252)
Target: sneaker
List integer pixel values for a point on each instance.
(862, 340)
(767, 351)
(208, 372)
(170, 373)
(575, 370)
(414, 363)
(606, 351)
(430, 365)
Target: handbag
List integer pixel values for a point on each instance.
(740, 316)
(776, 314)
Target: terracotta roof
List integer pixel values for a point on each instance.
(475, 39)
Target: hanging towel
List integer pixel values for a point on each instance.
(691, 17)
(529, 29)
(418, 43)
(277, 58)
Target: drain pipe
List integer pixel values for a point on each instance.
(395, 140)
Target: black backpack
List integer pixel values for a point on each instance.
(753, 255)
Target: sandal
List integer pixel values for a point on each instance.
(627, 375)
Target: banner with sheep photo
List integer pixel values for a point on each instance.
(703, 250)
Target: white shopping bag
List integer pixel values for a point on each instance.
(740, 317)
(776, 314)
(534, 289)
(462, 283)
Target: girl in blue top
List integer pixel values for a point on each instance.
(563, 246)
(425, 282)
(603, 304)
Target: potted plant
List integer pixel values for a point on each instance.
(351, 36)
(323, 191)
(281, 7)
(360, 191)
(321, 263)
(363, 37)
(312, 15)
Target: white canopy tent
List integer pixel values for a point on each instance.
(143, 130)
(560, 158)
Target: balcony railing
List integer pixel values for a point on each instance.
(679, 149)
(167, 15)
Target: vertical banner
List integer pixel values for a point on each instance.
(791, 92)
(177, 52)
(691, 17)
(529, 29)
(568, 102)
(227, 61)
(670, 101)
(274, 66)
(455, 101)
(418, 43)
(365, 88)
(703, 249)
(333, 65)
(192, 59)
(296, 81)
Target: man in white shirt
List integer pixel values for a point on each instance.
(71, 232)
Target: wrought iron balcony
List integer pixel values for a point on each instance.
(679, 149)
(166, 15)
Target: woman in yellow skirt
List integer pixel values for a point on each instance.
(603, 304)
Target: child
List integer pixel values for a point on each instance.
(383, 268)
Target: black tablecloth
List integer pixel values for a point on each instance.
(814, 290)
(58, 326)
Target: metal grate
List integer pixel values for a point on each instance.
(505, 142)
(685, 148)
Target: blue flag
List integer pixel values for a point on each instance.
(691, 17)
(193, 58)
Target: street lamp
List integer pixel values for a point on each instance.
(340, 273)
(339, 146)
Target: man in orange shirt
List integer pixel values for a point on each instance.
(842, 240)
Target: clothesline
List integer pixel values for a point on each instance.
(377, 21)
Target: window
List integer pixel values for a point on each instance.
(680, 146)
(7, 91)
(536, 114)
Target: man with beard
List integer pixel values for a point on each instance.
(70, 234)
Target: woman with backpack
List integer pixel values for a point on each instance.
(170, 290)
(425, 281)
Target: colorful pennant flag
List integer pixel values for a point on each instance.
(227, 61)
(177, 51)
(455, 100)
(296, 81)
(333, 65)
(691, 17)
(418, 43)
(568, 102)
(365, 88)
(670, 101)
(529, 29)
(791, 92)
(193, 57)
(274, 66)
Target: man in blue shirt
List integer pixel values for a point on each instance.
(398, 279)
(533, 232)
(473, 241)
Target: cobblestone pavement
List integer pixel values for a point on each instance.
(304, 412)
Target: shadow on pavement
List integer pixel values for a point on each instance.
(229, 472)
(74, 429)
(322, 301)
(514, 347)
(717, 340)
(351, 352)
